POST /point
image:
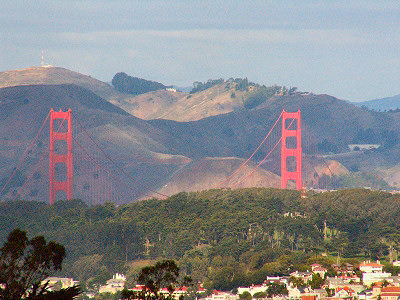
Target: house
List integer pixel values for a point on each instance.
(306, 276)
(359, 147)
(390, 293)
(348, 279)
(344, 292)
(57, 283)
(365, 295)
(253, 289)
(371, 278)
(394, 280)
(371, 267)
(334, 282)
(296, 293)
(349, 267)
(396, 263)
(372, 272)
(114, 284)
(313, 266)
(320, 293)
(220, 295)
(277, 280)
(309, 297)
(320, 270)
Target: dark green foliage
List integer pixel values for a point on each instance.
(213, 233)
(25, 263)
(199, 86)
(64, 294)
(260, 295)
(316, 282)
(260, 95)
(245, 296)
(327, 147)
(275, 289)
(134, 85)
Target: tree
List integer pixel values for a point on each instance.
(260, 295)
(316, 282)
(245, 296)
(25, 263)
(276, 289)
(163, 274)
(297, 282)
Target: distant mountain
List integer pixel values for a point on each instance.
(383, 104)
(146, 106)
(139, 147)
(217, 127)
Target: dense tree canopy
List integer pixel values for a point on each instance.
(245, 233)
(134, 85)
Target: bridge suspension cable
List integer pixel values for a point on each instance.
(114, 163)
(251, 156)
(25, 154)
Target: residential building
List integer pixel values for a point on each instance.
(114, 284)
(371, 267)
(371, 278)
(220, 295)
(390, 293)
(253, 289)
(57, 283)
(306, 276)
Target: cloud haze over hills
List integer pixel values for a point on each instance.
(346, 49)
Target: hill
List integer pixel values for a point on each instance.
(151, 105)
(55, 75)
(383, 104)
(135, 144)
(147, 106)
(156, 152)
(324, 118)
(212, 98)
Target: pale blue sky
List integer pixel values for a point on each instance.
(348, 49)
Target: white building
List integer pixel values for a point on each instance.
(358, 147)
(253, 289)
(371, 267)
(114, 284)
(370, 278)
(62, 282)
(220, 295)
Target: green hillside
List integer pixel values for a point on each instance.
(256, 232)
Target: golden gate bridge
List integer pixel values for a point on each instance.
(74, 165)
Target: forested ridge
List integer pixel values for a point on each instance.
(242, 234)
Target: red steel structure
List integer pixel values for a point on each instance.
(291, 149)
(61, 158)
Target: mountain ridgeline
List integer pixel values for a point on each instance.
(243, 234)
(189, 142)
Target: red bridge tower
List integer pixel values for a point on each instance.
(63, 158)
(291, 155)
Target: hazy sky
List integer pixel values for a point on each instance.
(348, 49)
